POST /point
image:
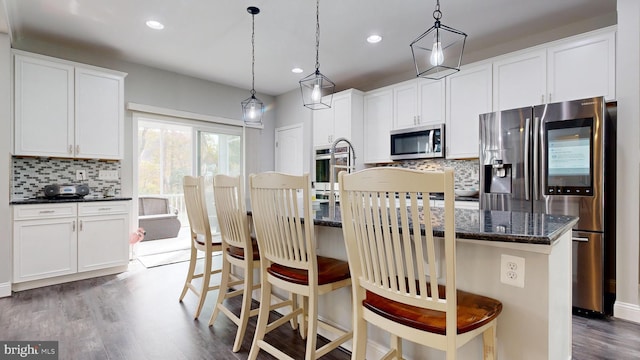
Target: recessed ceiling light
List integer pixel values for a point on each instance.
(296, 70)
(374, 39)
(156, 25)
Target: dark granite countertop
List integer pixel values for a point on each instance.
(41, 200)
(504, 226)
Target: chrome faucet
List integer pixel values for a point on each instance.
(351, 166)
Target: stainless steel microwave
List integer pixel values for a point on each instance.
(418, 142)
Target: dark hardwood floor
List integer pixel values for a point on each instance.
(136, 315)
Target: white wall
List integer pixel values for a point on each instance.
(5, 165)
(627, 304)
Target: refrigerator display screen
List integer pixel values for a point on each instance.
(569, 162)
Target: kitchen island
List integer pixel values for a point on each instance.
(536, 319)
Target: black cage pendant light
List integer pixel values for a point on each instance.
(317, 90)
(438, 51)
(252, 108)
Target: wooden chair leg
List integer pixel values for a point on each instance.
(396, 345)
(190, 272)
(489, 341)
(263, 315)
(294, 305)
(206, 280)
(312, 324)
(222, 291)
(303, 317)
(359, 337)
(245, 310)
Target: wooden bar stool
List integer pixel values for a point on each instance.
(285, 234)
(201, 240)
(389, 257)
(239, 250)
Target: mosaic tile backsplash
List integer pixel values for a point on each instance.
(30, 175)
(466, 172)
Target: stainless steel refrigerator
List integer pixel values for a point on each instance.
(558, 159)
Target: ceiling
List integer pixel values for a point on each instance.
(211, 39)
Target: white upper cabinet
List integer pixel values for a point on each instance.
(44, 115)
(468, 95)
(343, 119)
(64, 109)
(582, 67)
(418, 102)
(378, 110)
(520, 80)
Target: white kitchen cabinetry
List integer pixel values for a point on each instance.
(102, 235)
(378, 110)
(44, 241)
(520, 80)
(468, 95)
(582, 67)
(418, 102)
(52, 240)
(343, 119)
(65, 109)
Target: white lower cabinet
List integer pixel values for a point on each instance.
(51, 240)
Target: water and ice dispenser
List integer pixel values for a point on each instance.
(497, 177)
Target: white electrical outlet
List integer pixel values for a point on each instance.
(108, 174)
(512, 270)
(81, 174)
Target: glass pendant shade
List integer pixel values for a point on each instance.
(252, 107)
(317, 91)
(252, 110)
(438, 51)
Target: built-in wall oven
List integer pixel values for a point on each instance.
(323, 169)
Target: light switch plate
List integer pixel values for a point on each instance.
(108, 175)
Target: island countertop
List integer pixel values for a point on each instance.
(504, 226)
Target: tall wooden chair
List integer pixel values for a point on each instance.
(391, 248)
(239, 250)
(201, 240)
(284, 230)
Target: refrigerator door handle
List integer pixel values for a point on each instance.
(536, 173)
(526, 158)
(580, 239)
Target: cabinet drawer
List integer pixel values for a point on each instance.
(103, 208)
(44, 211)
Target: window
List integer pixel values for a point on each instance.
(170, 148)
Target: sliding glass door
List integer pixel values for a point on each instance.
(169, 149)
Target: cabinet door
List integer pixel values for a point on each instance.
(102, 241)
(583, 68)
(99, 108)
(520, 81)
(44, 248)
(469, 95)
(431, 101)
(322, 127)
(44, 114)
(378, 112)
(341, 117)
(405, 104)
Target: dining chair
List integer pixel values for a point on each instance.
(201, 240)
(239, 250)
(282, 216)
(391, 249)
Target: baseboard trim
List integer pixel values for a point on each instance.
(5, 289)
(625, 311)
(67, 278)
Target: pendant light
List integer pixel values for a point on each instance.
(252, 108)
(438, 51)
(317, 90)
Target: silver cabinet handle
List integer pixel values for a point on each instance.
(80, 225)
(73, 226)
(77, 149)
(70, 149)
(46, 211)
(542, 99)
(580, 239)
(104, 209)
(526, 157)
